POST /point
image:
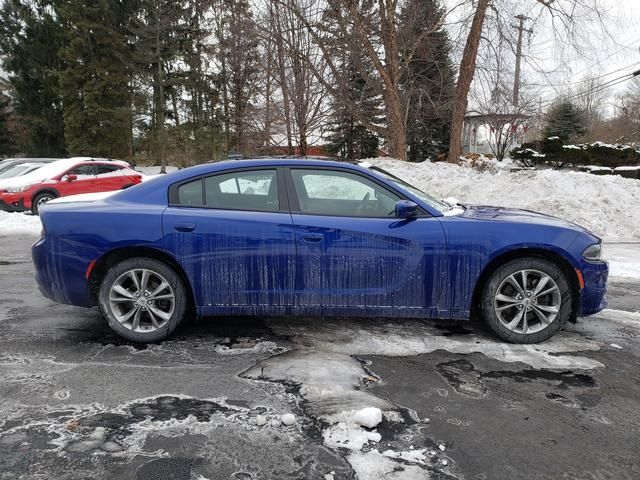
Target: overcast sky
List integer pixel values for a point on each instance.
(608, 47)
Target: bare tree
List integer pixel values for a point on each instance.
(465, 77)
(590, 97)
(302, 74)
(369, 29)
(507, 123)
(566, 18)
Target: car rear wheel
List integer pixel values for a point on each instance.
(40, 200)
(527, 300)
(142, 299)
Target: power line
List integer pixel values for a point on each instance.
(601, 87)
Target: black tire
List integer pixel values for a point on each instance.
(40, 199)
(167, 273)
(497, 280)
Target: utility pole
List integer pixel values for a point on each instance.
(520, 27)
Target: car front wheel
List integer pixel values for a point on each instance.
(142, 299)
(40, 200)
(527, 300)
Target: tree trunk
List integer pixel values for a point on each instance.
(396, 131)
(465, 76)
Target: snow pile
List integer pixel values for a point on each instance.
(604, 204)
(19, 223)
(368, 417)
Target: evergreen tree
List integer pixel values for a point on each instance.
(160, 35)
(565, 121)
(30, 38)
(348, 138)
(7, 145)
(95, 81)
(428, 82)
(239, 57)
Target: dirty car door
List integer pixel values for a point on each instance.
(354, 252)
(233, 234)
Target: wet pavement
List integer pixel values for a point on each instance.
(77, 402)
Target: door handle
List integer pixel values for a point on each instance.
(185, 227)
(312, 238)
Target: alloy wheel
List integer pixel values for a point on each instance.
(527, 301)
(142, 300)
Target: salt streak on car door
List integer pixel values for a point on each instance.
(235, 241)
(353, 253)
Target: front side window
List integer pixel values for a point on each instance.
(332, 192)
(428, 199)
(82, 171)
(245, 190)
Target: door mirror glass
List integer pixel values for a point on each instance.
(69, 178)
(406, 209)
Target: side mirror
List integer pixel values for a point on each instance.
(69, 178)
(406, 209)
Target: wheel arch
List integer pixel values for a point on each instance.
(106, 261)
(45, 190)
(517, 253)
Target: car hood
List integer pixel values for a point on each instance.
(22, 181)
(516, 215)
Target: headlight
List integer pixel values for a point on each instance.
(16, 189)
(593, 253)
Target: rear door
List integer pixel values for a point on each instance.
(353, 251)
(233, 234)
(109, 176)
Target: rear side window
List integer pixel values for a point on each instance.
(104, 169)
(190, 193)
(254, 190)
(245, 190)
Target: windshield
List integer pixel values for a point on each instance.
(428, 199)
(17, 170)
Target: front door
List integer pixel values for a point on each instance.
(79, 179)
(233, 235)
(352, 250)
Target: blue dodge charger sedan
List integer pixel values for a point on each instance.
(311, 237)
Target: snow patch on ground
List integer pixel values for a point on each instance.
(346, 434)
(603, 204)
(374, 465)
(19, 223)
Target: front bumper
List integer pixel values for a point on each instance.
(593, 298)
(12, 203)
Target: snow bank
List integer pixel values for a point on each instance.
(606, 205)
(19, 223)
(624, 259)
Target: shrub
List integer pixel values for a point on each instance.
(552, 152)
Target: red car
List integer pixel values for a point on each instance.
(62, 178)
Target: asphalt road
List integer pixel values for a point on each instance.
(79, 403)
